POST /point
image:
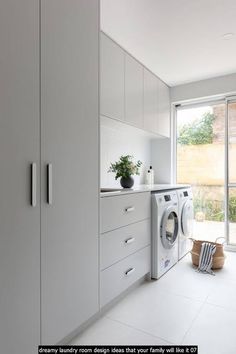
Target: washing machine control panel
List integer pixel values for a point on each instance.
(167, 198)
(186, 194)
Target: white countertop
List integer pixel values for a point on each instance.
(143, 188)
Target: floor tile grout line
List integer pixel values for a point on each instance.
(221, 306)
(181, 295)
(171, 292)
(192, 323)
(185, 296)
(200, 310)
(197, 315)
(140, 330)
(202, 302)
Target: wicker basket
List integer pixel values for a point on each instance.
(218, 257)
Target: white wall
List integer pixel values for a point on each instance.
(119, 139)
(204, 88)
(161, 160)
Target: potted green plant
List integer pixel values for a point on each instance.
(125, 168)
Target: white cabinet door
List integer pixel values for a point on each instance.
(150, 101)
(133, 92)
(112, 79)
(163, 121)
(19, 148)
(69, 241)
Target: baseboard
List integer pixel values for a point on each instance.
(103, 310)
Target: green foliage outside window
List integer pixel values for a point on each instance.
(197, 132)
(214, 209)
(232, 209)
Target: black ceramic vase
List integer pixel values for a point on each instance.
(127, 182)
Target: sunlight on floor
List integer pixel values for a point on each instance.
(211, 230)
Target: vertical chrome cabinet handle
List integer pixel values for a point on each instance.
(49, 184)
(129, 209)
(33, 184)
(129, 271)
(129, 240)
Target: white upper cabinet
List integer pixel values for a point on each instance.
(130, 92)
(112, 79)
(156, 105)
(133, 92)
(150, 101)
(163, 121)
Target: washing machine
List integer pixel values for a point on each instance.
(165, 230)
(186, 215)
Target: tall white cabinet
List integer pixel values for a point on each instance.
(49, 170)
(19, 150)
(69, 151)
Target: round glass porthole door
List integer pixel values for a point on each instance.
(187, 218)
(169, 227)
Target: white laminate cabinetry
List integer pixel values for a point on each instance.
(122, 242)
(150, 101)
(130, 92)
(156, 105)
(112, 66)
(118, 277)
(118, 211)
(48, 117)
(163, 121)
(69, 122)
(19, 149)
(133, 92)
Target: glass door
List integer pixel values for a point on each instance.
(206, 159)
(231, 172)
(200, 161)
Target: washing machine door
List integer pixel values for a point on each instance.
(187, 216)
(169, 227)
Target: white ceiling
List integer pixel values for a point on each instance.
(179, 40)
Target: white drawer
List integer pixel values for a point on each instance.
(118, 277)
(120, 243)
(122, 210)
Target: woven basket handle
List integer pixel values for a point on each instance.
(218, 238)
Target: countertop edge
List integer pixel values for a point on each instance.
(145, 189)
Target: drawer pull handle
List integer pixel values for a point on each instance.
(129, 271)
(130, 240)
(129, 209)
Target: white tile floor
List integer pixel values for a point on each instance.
(183, 307)
(210, 230)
